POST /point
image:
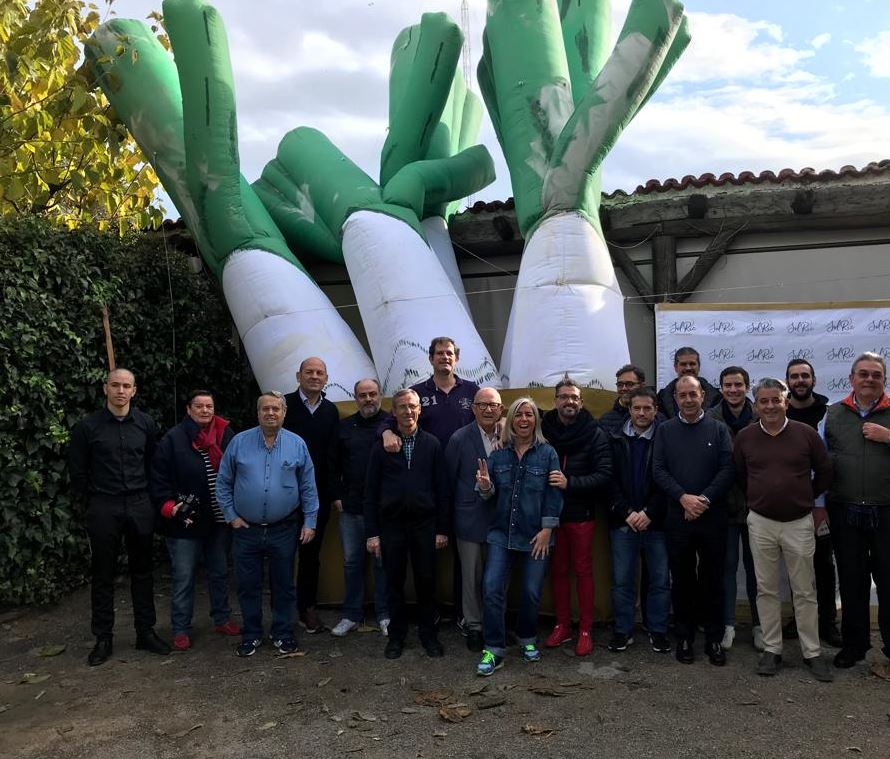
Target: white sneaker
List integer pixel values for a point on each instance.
(383, 624)
(343, 627)
(728, 636)
(758, 638)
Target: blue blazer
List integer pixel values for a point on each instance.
(472, 514)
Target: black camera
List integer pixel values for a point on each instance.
(188, 510)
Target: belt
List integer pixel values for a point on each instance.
(275, 523)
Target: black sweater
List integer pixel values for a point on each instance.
(319, 431)
(393, 491)
(355, 439)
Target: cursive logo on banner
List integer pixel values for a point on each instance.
(798, 354)
(682, 328)
(881, 326)
(884, 352)
(721, 328)
(762, 327)
(841, 353)
(839, 325)
(800, 328)
(839, 385)
(722, 354)
(760, 355)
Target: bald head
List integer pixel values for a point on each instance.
(487, 408)
(312, 376)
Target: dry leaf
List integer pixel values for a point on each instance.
(183, 733)
(434, 697)
(882, 670)
(403, 681)
(440, 734)
(3, 708)
(855, 749)
(291, 655)
(52, 650)
(366, 716)
(267, 726)
(490, 702)
(543, 690)
(409, 710)
(455, 712)
(31, 678)
(322, 683)
(538, 730)
(477, 690)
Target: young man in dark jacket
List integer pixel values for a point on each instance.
(636, 519)
(586, 469)
(353, 449)
(407, 514)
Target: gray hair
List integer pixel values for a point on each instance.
(771, 383)
(507, 432)
(272, 394)
(403, 392)
(870, 356)
(366, 379)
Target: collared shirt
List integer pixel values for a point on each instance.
(442, 414)
(408, 446)
(310, 407)
(694, 421)
(490, 442)
(264, 485)
(773, 434)
(631, 431)
(110, 455)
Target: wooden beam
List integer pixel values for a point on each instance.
(664, 267)
(624, 262)
(705, 262)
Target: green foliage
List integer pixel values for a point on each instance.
(53, 284)
(63, 155)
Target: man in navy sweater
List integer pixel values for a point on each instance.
(692, 464)
(407, 514)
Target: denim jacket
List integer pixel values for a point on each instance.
(525, 503)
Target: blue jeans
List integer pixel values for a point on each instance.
(498, 565)
(730, 580)
(352, 535)
(253, 547)
(185, 555)
(627, 546)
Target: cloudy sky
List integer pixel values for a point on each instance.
(765, 84)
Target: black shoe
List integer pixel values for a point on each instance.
(149, 641)
(789, 631)
(716, 654)
(660, 643)
(831, 636)
(393, 648)
(101, 652)
(769, 664)
(620, 642)
(433, 648)
(685, 654)
(818, 666)
(474, 640)
(847, 657)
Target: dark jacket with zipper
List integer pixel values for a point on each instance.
(319, 432)
(355, 439)
(177, 469)
(633, 488)
(585, 459)
(736, 500)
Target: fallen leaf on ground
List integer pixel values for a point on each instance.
(267, 726)
(440, 734)
(409, 710)
(538, 730)
(573, 684)
(366, 716)
(749, 703)
(325, 681)
(335, 655)
(477, 690)
(434, 697)
(3, 708)
(291, 655)
(544, 690)
(490, 702)
(882, 670)
(31, 678)
(183, 733)
(40, 695)
(52, 649)
(62, 729)
(855, 749)
(455, 712)
(353, 750)
(403, 681)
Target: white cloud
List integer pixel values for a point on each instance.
(875, 53)
(820, 40)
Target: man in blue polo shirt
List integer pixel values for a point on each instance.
(265, 480)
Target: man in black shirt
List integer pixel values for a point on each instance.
(108, 462)
(317, 420)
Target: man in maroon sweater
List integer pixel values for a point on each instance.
(783, 466)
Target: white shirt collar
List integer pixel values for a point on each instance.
(773, 434)
(310, 407)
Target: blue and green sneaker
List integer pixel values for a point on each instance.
(531, 653)
(489, 663)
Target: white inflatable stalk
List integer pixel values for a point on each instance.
(568, 311)
(436, 230)
(283, 317)
(406, 299)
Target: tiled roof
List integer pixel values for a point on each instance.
(727, 178)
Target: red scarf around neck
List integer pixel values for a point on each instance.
(209, 440)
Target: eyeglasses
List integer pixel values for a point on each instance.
(487, 406)
(563, 397)
(862, 374)
(621, 385)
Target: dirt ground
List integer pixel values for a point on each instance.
(343, 698)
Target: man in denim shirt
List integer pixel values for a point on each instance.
(265, 479)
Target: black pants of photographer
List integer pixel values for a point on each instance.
(112, 520)
(309, 562)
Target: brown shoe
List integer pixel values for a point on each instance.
(311, 622)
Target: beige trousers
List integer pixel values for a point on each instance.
(771, 541)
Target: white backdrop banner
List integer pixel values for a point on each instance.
(763, 338)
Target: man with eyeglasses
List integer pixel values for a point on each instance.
(468, 446)
(585, 459)
(807, 406)
(627, 379)
(857, 433)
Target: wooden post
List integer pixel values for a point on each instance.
(664, 267)
(109, 345)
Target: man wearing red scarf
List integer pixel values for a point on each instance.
(183, 485)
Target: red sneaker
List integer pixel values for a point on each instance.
(584, 646)
(561, 634)
(229, 628)
(182, 642)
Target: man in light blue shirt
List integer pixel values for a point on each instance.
(266, 482)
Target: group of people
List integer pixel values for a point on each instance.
(689, 480)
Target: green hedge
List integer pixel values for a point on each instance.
(52, 359)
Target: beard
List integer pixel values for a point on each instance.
(801, 394)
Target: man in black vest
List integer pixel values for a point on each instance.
(687, 363)
(857, 433)
(315, 419)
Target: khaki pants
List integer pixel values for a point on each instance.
(796, 543)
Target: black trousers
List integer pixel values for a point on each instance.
(410, 535)
(111, 520)
(826, 587)
(696, 555)
(308, 563)
(861, 555)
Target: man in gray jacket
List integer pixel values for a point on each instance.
(467, 446)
